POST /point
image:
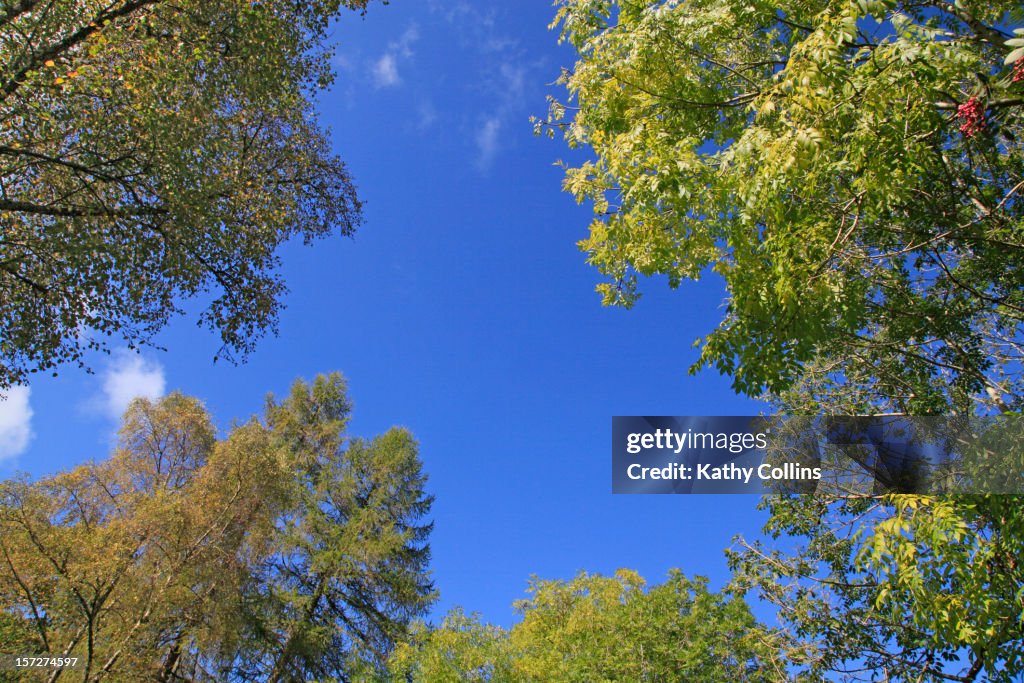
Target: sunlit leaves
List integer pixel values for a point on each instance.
(598, 628)
(284, 551)
(154, 152)
(810, 154)
(920, 588)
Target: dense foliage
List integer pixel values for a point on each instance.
(897, 588)
(152, 151)
(595, 628)
(285, 551)
(851, 168)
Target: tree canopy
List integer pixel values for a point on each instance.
(153, 151)
(896, 588)
(600, 628)
(851, 168)
(285, 551)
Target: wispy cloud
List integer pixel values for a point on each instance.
(506, 83)
(127, 377)
(15, 422)
(384, 70)
(403, 46)
(343, 62)
(512, 81)
(426, 115)
(487, 142)
(502, 83)
(470, 20)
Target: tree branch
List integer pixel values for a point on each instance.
(62, 46)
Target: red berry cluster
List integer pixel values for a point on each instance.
(1018, 71)
(972, 116)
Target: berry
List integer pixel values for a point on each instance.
(1018, 71)
(972, 116)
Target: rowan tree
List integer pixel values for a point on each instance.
(850, 168)
(899, 588)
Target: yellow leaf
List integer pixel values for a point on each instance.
(50, 63)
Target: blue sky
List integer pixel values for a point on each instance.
(463, 310)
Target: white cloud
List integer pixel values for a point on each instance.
(498, 44)
(504, 74)
(15, 422)
(487, 142)
(471, 22)
(513, 83)
(403, 46)
(385, 71)
(506, 84)
(426, 115)
(343, 62)
(130, 376)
